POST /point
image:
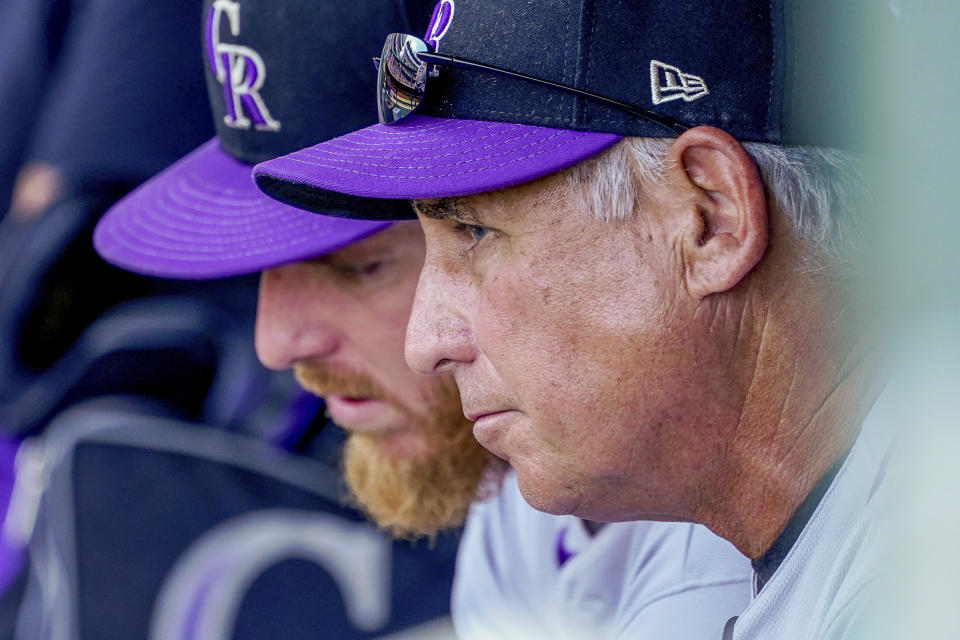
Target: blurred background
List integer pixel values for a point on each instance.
(142, 433)
(144, 452)
(916, 272)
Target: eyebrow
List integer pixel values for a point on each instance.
(442, 209)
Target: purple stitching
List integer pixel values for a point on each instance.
(403, 143)
(439, 23)
(310, 153)
(472, 160)
(131, 224)
(441, 175)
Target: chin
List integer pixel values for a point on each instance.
(547, 495)
(404, 444)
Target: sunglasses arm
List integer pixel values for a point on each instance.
(444, 60)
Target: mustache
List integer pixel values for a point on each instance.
(323, 380)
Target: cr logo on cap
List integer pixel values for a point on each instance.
(439, 23)
(239, 69)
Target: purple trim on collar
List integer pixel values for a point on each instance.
(563, 554)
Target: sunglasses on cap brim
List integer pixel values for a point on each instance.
(403, 72)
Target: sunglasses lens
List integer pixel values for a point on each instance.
(401, 79)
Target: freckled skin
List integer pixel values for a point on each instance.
(677, 365)
(577, 326)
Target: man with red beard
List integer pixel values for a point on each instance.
(339, 321)
(335, 293)
(334, 301)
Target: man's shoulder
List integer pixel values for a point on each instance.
(523, 563)
(506, 515)
(834, 562)
(647, 558)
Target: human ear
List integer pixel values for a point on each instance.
(728, 220)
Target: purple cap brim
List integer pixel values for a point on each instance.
(425, 157)
(203, 217)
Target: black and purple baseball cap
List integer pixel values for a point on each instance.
(281, 74)
(740, 65)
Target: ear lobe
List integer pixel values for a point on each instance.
(729, 220)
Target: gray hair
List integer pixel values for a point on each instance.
(818, 190)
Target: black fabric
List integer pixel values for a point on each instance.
(766, 565)
(10, 601)
(332, 203)
(47, 266)
(53, 286)
(193, 356)
(126, 97)
(777, 71)
(606, 46)
(728, 628)
(46, 273)
(31, 35)
(318, 58)
(130, 533)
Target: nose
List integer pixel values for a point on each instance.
(292, 322)
(439, 338)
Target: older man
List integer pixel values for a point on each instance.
(636, 277)
(334, 301)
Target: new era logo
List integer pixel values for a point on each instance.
(668, 83)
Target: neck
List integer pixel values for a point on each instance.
(805, 400)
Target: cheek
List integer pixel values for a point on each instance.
(583, 350)
(380, 337)
(538, 348)
(375, 334)
(378, 320)
(567, 323)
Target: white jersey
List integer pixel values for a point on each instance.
(528, 575)
(822, 586)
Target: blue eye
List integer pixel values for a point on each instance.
(477, 232)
